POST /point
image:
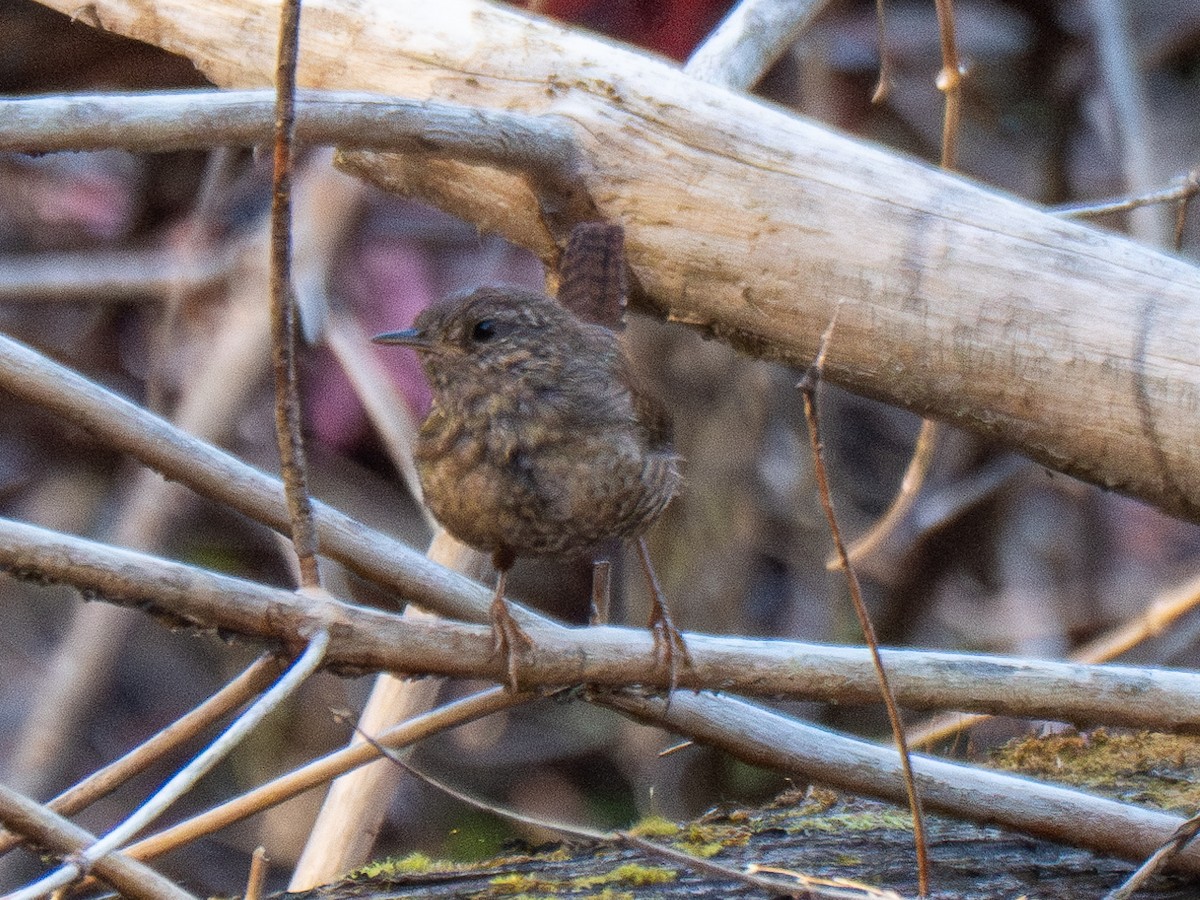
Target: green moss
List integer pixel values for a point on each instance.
(708, 839)
(871, 820)
(413, 864)
(629, 873)
(1142, 767)
(518, 883)
(655, 827)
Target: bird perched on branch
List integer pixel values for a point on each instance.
(538, 442)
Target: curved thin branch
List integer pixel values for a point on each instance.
(186, 120)
(43, 827)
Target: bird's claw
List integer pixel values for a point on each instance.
(669, 645)
(508, 638)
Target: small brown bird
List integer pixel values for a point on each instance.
(538, 443)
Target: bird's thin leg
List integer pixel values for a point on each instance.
(601, 592)
(667, 638)
(507, 635)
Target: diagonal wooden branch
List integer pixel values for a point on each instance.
(365, 638)
(752, 224)
(44, 827)
(106, 780)
(765, 738)
(155, 122)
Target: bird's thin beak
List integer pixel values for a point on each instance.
(409, 337)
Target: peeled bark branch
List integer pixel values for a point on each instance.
(1074, 345)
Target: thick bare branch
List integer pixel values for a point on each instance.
(752, 224)
(1045, 810)
(366, 639)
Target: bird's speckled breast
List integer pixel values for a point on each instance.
(510, 473)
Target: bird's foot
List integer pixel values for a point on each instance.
(508, 638)
(669, 645)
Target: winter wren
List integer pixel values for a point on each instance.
(538, 442)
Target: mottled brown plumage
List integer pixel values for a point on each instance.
(538, 442)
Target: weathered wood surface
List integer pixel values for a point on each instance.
(861, 840)
(1074, 345)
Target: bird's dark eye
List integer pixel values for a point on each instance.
(483, 331)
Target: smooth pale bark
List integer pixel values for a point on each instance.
(756, 225)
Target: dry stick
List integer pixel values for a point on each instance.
(108, 277)
(283, 304)
(949, 82)
(1122, 80)
(749, 40)
(186, 120)
(321, 771)
(106, 780)
(883, 84)
(1192, 185)
(618, 837)
(902, 504)
(1160, 858)
(374, 640)
(1153, 621)
(43, 827)
(258, 874)
(196, 242)
(724, 721)
(381, 399)
(759, 736)
(183, 781)
(1184, 189)
(808, 389)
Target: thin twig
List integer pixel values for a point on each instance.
(1181, 191)
(902, 504)
(579, 832)
(321, 771)
(195, 243)
(283, 305)
(949, 82)
(103, 782)
(808, 389)
(185, 779)
(108, 277)
(45, 828)
(883, 84)
(258, 874)
(1116, 53)
(1160, 858)
(385, 406)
